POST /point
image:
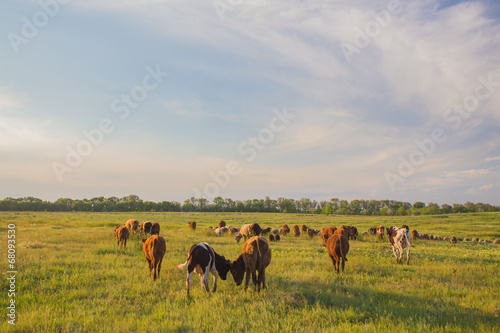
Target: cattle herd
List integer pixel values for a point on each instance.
(256, 253)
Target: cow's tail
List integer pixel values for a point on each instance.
(342, 254)
(258, 247)
(408, 237)
(182, 266)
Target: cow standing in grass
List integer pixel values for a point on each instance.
(132, 225)
(122, 234)
(154, 249)
(338, 247)
(400, 240)
(203, 259)
(255, 257)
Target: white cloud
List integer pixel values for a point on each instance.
(472, 173)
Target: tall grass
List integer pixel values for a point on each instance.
(73, 277)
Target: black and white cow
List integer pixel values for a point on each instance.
(400, 240)
(203, 259)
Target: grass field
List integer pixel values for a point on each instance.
(72, 277)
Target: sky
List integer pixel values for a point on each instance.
(168, 100)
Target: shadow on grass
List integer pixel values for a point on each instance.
(370, 305)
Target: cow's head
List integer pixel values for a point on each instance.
(223, 266)
(237, 237)
(238, 270)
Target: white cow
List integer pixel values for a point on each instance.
(400, 240)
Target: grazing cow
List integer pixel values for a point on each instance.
(256, 229)
(296, 230)
(132, 225)
(192, 225)
(244, 232)
(155, 229)
(327, 232)
(389, 232)
(222, 223)
(304, 228)
(400, 239)
(380, 231)
(285, 230)
(255, 257)
(475, 239)
(372, 231)
(343, 230)
(145, 227)
(311, 233)
(154, 249)
(203, 259)
(265, 231)
(221, 231)
(233, 230)
(338, 247)
(453, 240)
(414, 234)
(277, 238)
(354, 233)
(121, 234)
(275, 231)
(496, 241)
(271, 238)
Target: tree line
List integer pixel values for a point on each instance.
(132, 203)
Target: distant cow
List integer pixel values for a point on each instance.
(271, 238)
(311, 233)
(256, 229)
(265, 231)
(372, 231)
(400, 239)
(155, 229)
(203, 259)
(285, 230)
(275, 231)
(132, 225)
(380, 231)
(244, 232)
(414, 234)
(255, 257)
(154, 249)
(354, 233)
(121, 234)
(343, 230)
(192, 225)
(327, 232)
(222, 224)
(277, 238)
(453, 240)
(296, 230)
(145, 227)
(338, 247)
(304, 228)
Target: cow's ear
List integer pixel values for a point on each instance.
(144, 239)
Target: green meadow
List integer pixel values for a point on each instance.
(72, 277)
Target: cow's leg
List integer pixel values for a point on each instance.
(150, 266)
(343, 264)
(159, 267)
(408, 255)
(155, 266)
(254, 280)
(262, 278)
(247, 278)
(333, 261)
(214, 273)
(188, 281)
(205, 280)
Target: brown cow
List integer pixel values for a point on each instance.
(296, 230)
(192, 225)
(354, 233)
(285, 230)
(380, 231)
(132, 225)
(311, 232)
(222, 224)
(372, 231)
(121, 234)
(154, 249)
(155, 229)
(343, 230)
(304, 228)
(414, 234)
(265, 231)
(338, 247)
(271, 238)
(145, 227)
(327, 232)
(255, 256)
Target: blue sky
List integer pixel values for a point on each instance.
(365, 84)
